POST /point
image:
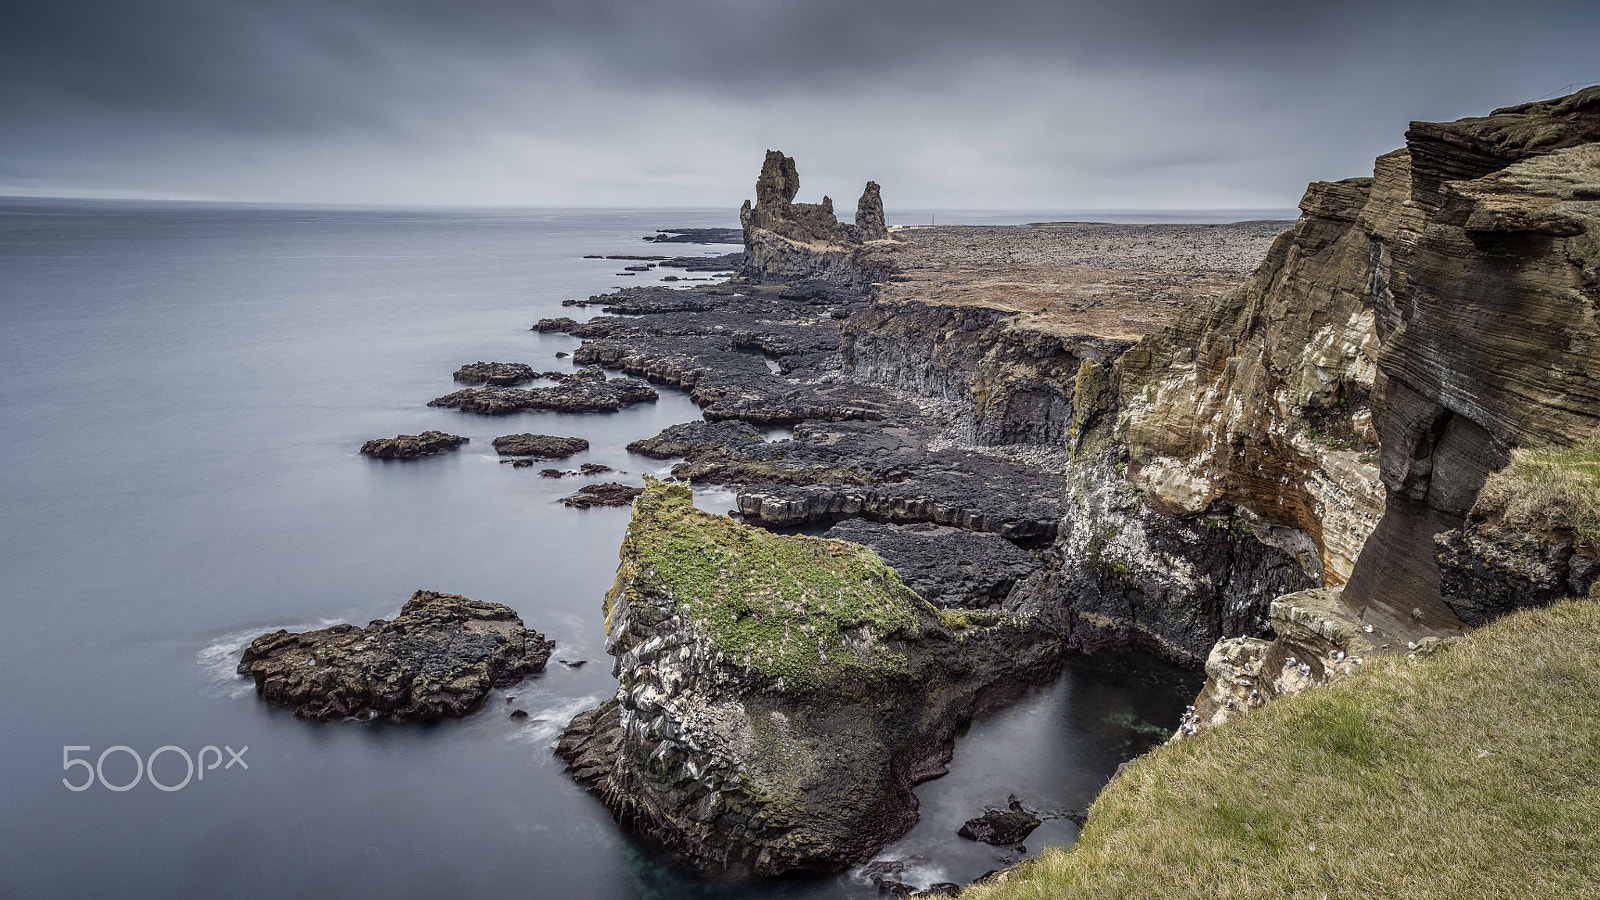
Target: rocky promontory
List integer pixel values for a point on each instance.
(438, 658)
(778, 696)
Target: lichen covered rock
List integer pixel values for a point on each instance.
(778, 696)
(438, 658)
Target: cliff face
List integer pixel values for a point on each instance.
(788, 241)
(778, 696)
(1262, 398)
(1461, 282)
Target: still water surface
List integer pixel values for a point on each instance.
(185, 389)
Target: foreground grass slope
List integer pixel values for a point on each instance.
(1472, 773)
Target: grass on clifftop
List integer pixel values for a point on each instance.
(1551, 489)
(791, 607)
(1472, 773)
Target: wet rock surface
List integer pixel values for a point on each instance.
(1002, 828)
(409, 446)
(438, 658)
(610, 493)
(497, 374)
(544, 446)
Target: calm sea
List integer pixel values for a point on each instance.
(185, 389)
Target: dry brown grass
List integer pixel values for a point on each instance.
(1473, 773)
(1553, 490)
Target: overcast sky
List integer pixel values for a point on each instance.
(1030, 104)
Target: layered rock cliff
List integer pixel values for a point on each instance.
(1453, 295)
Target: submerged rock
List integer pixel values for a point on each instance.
(1003, 828)
(408, 446)
(778, 696)
(438, 658)
(545, 446)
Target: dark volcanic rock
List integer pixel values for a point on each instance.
(551, 473)
(407, 446)
(695, 437)
(1482, 579)
(497, 374)
(594, 469)
(713, 346)
(870, 225)
(610, 493)
(696, 236)
(778, 697)
(948, 567)
(1003, 828)
(576, 394)
(439, 658)
(544, 446)
(728, 262)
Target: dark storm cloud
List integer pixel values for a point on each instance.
(1010, 99)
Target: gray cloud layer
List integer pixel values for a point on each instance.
(1006, 103)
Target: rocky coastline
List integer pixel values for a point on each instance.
(1265, 470)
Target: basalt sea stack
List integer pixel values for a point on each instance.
(778, 696)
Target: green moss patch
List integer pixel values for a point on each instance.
(798, 609)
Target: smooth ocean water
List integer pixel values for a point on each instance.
(185, 389)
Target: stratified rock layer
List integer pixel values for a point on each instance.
(438, 658)
(778, 696)
(1443, 310)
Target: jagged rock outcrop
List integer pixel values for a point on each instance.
(544, 446)
(586, 390)
(1319, 639)
(498, 374)
(410, 446)
(611, 493)
(778, 696)
(1481, 578)
(438, 658)
(1175, 586)
(948, 567)
(718, 347)
(870, 224)
(1262, 397)
(695, 437)
(788, 241)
